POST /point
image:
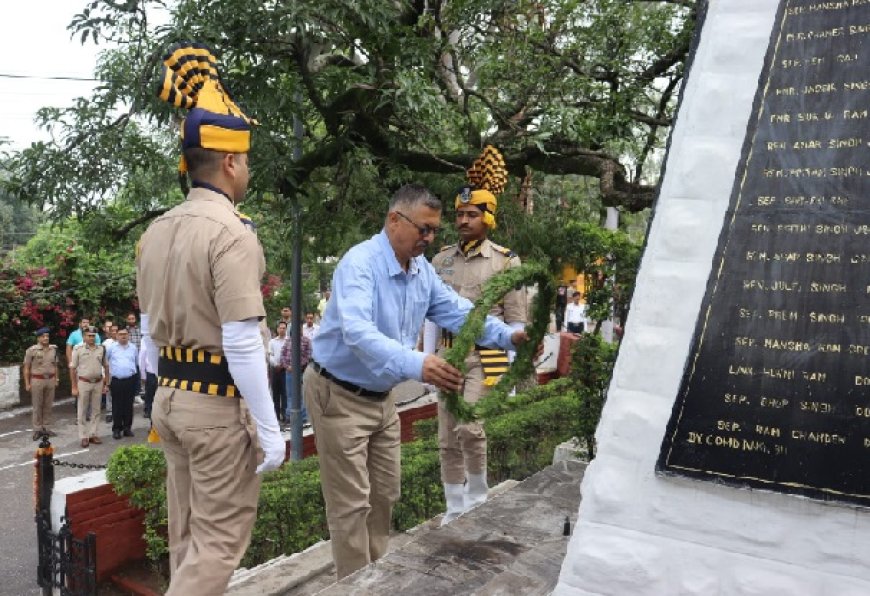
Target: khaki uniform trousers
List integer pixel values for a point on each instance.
(211, 486)
(42, 397)
(463, 446)
(89, 403)
(358, 442)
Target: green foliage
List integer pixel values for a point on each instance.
(592, 361)
(97, 277)
(291, 514)
(18, 221)
(422, 494)
(139, 473)
(58, 277)
(522, 441)
(387, 92)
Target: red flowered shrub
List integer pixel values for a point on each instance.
(29, 300)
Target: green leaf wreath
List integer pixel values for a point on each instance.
(493, 291)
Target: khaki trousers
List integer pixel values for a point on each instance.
(42, 397)
(463, 446)
(89, 402)
(358, 442)
(211, 486)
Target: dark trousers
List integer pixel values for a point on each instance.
(575, 327)
(560, 318)
(150, 390)
(279, 392)
(123, 391)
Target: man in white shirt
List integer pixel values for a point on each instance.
(279, 393)
(575, 315)
(310, 328)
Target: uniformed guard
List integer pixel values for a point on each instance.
(466, 267)
(41, 379)
(199, 268)
(89, 378)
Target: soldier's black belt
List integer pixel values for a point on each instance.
(194, 370)
(348, 386)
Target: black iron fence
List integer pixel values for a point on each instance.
(65, 562)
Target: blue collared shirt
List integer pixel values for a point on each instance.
(123, 360)
(370, 326)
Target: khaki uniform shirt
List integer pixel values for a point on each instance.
(41, 361)
(197, 267)
(88, 362)
(468, 275)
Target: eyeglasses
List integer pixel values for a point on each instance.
(424, 230)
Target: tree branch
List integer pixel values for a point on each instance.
(120, 233)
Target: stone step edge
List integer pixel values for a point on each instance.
(287, 572)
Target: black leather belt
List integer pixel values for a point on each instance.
(355, 389)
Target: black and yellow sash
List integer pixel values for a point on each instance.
(195, 370)
(495, 363)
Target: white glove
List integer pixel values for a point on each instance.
(243, 348)
(431, 335)
(149, 348)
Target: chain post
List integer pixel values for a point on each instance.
(43, 487)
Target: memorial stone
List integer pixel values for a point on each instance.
(747, 297)
(776, 392)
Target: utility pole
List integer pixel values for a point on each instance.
(296, 315)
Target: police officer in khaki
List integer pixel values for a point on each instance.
(198, 279)
(466, 267)
(41, 379)
(89, 377)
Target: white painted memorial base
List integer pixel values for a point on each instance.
(639, 533)
(10, 377)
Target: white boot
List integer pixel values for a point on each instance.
(455, 497)
(476, 490)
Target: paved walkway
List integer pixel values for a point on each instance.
(513, 544)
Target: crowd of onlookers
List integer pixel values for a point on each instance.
(108, 372)
(281, 357)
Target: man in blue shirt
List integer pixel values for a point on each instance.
(123, 360)
(383, 289)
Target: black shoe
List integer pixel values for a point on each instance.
(116, 434)
(128, 433)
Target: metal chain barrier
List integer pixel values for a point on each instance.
(69, 464)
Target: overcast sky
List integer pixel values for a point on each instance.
(34, 42)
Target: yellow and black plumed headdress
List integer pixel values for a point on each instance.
(487, 177)
(191, 80)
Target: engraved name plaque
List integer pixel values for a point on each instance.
(776, 390)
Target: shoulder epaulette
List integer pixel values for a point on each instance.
(448, 247)
(503, 250)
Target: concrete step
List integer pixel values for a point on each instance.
(511, 544)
